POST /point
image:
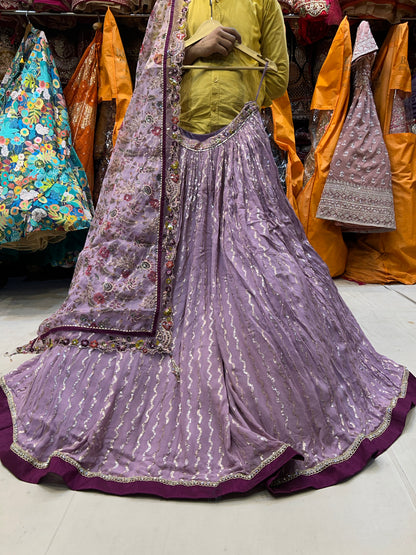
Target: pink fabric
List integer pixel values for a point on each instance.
(314, 18)
(38, 5)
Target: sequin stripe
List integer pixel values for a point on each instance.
(151, 403)
(198, 404)
(79, 371)
(323, 465)
(162, 388)
(199, 296)
(137, 416)
(165, 417)
(193, 290)
(119, 399)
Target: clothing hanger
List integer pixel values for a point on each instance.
(98, 25)
(206, 28)
(28, 26)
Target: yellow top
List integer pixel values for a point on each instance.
(210, 99)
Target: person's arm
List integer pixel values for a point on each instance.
(273, 47)
(219, 42)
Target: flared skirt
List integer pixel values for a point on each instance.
(271, 380)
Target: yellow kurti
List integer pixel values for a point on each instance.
(210, 99)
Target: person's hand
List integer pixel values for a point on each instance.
(220, 42)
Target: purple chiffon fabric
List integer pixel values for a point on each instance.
(270, 380)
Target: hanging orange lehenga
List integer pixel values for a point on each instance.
(284, 137)
(102, 77)
(81, 95)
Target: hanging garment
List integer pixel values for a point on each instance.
(47, 5)
(358, 192)
(254, 372)
(390, 257)
(81, 95)
(391, 10)
(114, 94)
(284, 136)
(410, 104)
(8, 46)
(38, 5)
(10, 4)
(300, 86)
(67, 46)
(143, 6)
(99, 6)
(115, 81)
(329, 105)
(44, 188)
(315, 17)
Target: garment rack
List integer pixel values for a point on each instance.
(72, 14)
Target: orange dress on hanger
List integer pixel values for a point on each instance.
(284, 137)
(81, 95)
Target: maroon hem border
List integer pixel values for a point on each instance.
(367, 450)
(335, 473)
(25, 471)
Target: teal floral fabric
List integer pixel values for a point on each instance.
(43, 187)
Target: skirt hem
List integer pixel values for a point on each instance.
(368, 449)
(333, 474)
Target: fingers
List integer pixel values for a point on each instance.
(226, 39)
(233, 32)
(220, 42)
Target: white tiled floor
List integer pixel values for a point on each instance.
(374, 512)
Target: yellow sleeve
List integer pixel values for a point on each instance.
(274, 48)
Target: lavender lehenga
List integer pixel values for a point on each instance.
(203, 348)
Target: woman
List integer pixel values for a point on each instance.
(203, 348)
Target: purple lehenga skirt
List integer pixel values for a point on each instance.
(271, 379)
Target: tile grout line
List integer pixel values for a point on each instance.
(406, 482)
(400, 293)
(59, 524)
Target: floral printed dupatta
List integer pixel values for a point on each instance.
(121, 290)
